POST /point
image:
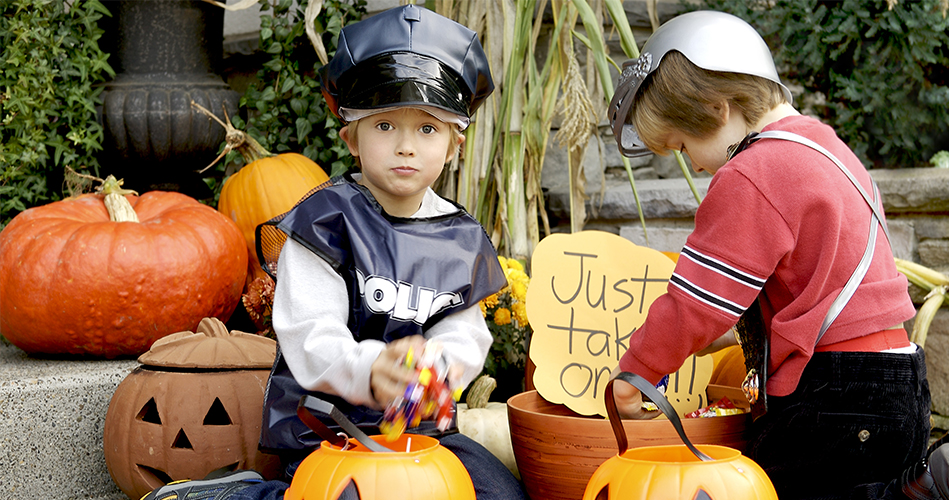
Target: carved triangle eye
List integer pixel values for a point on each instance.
(182, 441)
(149, 413)
(217, 415)
(702, 495)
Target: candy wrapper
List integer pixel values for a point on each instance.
(430, 396)
(723, 407)
(661, 387)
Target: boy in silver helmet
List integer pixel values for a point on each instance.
(374, 265)
(790, 246)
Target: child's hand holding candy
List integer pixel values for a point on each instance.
(431, 395)
(389, 375)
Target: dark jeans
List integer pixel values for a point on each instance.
(492, 480)
(855, 422)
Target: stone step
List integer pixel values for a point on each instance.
(52, 415)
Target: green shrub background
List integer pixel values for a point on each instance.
(878, 75)
(49, 66)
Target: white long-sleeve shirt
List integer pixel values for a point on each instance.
(310, 313)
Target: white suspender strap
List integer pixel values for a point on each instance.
(876, 219)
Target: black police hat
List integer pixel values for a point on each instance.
(407, 56)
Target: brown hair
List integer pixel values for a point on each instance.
(681, 96)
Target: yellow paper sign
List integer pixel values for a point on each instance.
(686, 391)
(589, 292)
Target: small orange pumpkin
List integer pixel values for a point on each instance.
(729, 367)
(77, 277)
(268, 185)
(425, 471)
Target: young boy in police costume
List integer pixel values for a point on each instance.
(791, 232)
(375, 263)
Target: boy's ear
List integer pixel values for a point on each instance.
(453, 149)
(350, 140)
(724, 110)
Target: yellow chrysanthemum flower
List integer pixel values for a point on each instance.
(515, 264)
(519, 289)
(502, 316)
(518, 276)
(490, 301)
(520, 313)
(484, 309)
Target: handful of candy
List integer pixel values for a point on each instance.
(430, 396)
(723, 407)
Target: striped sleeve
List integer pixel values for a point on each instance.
(715, 283)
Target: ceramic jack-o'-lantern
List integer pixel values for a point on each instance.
(193, 407)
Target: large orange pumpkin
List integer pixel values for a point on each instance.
(267, 186)
(73, 281)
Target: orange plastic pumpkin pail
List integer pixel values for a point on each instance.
(674, 472)
(412, 467)
(682, 471)
(427, 471)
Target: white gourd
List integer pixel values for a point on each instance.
(486, 423)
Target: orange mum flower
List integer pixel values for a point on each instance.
(502, 316)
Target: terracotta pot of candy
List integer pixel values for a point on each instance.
(194, 406)
(557, 450)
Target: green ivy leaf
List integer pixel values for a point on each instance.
(303, 127)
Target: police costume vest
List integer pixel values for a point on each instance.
(402, 276)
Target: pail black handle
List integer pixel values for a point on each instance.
(653, 394)
(309, 404)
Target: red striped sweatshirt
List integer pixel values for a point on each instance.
(779, 219)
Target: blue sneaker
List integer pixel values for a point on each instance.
(217, 488)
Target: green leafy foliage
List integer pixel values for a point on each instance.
(286, 111)
(883, 72)
(940, 159)
(49, 68)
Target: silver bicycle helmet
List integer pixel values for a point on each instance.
(711, 40)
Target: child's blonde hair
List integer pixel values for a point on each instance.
(683, 97)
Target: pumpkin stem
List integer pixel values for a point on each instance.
(212, 327)
(234, 138)
(120, 210)
(480, 392)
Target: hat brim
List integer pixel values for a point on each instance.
(351, 115)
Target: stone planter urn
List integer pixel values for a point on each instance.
(165, 53)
